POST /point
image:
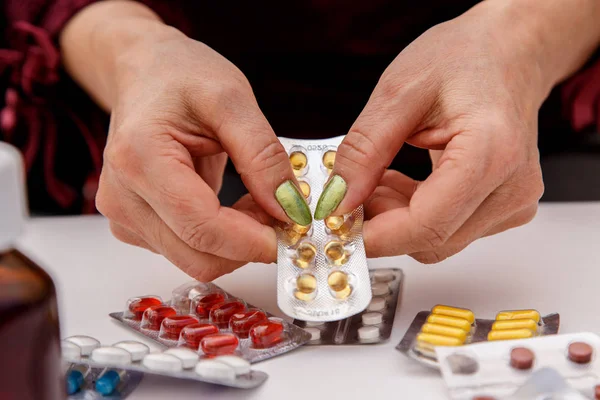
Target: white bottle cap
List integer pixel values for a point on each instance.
(12, 196)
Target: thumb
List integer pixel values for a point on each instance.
(393, 112)
(263, 163)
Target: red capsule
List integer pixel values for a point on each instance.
(219, 344)
(154, 316)
(203, 305)
(138, 305)
(191, 335)
(266, 334)
(171, 327)
(222, 313)
(241, 323)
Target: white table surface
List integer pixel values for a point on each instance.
(552, 264)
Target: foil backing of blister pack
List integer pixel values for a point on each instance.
(294, 336)
(362, 328)
(87, 391)
(325, 305)
(495, 375)
(479, 332)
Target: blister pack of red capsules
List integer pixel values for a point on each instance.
(496, 370)
(322, 271)
(453, 326)
(205, 318)
(115, 370)
(373, 325)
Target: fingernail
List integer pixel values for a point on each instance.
(332, 196)
(292, 201)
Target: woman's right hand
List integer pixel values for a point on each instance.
(178, 109)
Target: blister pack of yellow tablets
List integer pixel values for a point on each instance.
(452, 326)
(322, 272)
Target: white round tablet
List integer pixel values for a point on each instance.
(86, 343)
(188, 357)
(372, 318)
(383, 275)
(377, 304)
(368, 332)
(138, 350)
(380, 289)
(111, 355)
(315, 334)
(314, 323)
(239, 365)
(162, 362)
(70, 350)
(215, 371)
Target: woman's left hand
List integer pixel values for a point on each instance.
(470, 93)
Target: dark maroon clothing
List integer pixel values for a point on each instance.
(312, 64)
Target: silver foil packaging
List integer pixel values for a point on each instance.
(373, 325)
(207, 319)
(322, 272)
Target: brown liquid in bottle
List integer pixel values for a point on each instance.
(30, 360)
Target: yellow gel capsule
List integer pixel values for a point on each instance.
(515, 324)
(336, 253)
(301, 229)
(449, 321)
(306, 283)
(304, 296)
(454, 312)
(518, 314)
(306, 251)
(509, 334)
(304, 188)
(298, 160)
(334, 222)
(344, 293)
(337, 281)
(445, 330)
(437, 340)
(329, 159)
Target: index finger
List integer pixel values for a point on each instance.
(441, 204)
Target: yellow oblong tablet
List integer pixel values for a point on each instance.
(449, 321)
(454, 312)
(445, 330)
(437, 340)
(518, 314)
(510, 334)
(515, 324)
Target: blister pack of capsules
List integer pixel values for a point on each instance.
(124, 362)
(498, 369)
(373, 325)
(83, 381)
(206, 319)
(322, 272)
(452, 326)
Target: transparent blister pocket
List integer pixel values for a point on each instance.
(117, 367)
(206, 319)
(371, 326)
(322, 272)
(506, 369)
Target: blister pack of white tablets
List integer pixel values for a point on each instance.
(322, 272)
(120, 360)
(373, 325)
(499, 369)
(208, 320)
